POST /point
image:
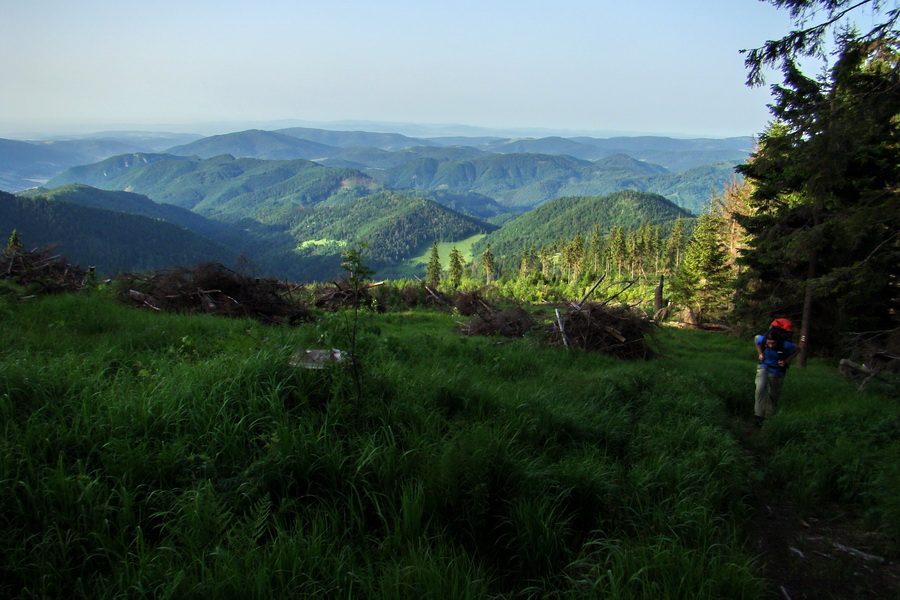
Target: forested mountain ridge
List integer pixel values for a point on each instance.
(25, 164)
(110, 240)
(97, 174)
(229, 188)
(255, 143)
(566, 217)
(372, 159)
(350, 139)
(292, 242)
(131, 203)
(395, 227)
(508, 178)
(293, 217)
(524, 181)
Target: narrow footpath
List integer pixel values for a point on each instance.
(823, 555)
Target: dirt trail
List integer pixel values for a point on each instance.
(825, 555)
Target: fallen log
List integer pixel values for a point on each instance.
(860, 554)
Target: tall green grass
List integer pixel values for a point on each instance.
(154, 455)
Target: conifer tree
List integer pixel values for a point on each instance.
(703, 283)
(825, 208)
(530, 261)
(433, 271)
(546, 257)
(456, 267)
(827, 173)
(14, 244)
(596, 250)
(616, 249)
(487, 264)
(674, 246)
(575, 257)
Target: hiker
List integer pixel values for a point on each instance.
(775, 352)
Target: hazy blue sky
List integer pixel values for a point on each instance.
(638, 66)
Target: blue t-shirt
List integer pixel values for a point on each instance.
(771, 356)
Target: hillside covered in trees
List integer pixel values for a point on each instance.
(109, 240)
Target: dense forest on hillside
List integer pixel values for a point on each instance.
(564, 218)
(110, 241)
(393, 226)
(129, 202)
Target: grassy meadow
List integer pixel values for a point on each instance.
(149, 455)
(444, 249)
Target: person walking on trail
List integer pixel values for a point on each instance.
(775, 352)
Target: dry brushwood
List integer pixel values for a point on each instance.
(434, 297)
(513, 322)
(342, 295)
(472, 303)
(618, 331)
(410, 295)
(43, 269)
(875, 354)
(212, 288)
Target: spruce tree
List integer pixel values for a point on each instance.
(456, 267)
(703, 283)
(824, 222)
(674, 246)
(487, 264)
(433, 271)
(616, 249)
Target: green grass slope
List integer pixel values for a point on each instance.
(185, 455)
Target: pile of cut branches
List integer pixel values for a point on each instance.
(873, 355)
(435, 298)
(214, 289)
(472, 303)
(341, 294)
(616, 330)
(411, 295)
(41, 270)
(511, 322)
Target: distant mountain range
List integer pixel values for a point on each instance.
(89, 225)
(291, 199)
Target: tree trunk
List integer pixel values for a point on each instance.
(808, 299)
(807, 312)
(658, 303)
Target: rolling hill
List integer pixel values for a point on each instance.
(268, 145)
(110, 240)
(521, 182)
(395, 226)
(564, 218)
(135, 204)
(227, 188)
(301, 244)
(351, 139)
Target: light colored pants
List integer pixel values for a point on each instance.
(768, 389)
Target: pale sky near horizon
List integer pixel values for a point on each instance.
(658, 67)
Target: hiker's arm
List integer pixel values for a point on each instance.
(787, 360)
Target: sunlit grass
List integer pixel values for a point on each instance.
(444, 249)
